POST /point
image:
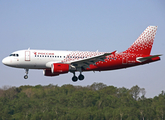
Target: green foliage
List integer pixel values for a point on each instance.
(95, 102)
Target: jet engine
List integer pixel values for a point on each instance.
(47, 72)
(59, 68)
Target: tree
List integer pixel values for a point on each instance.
(134, 91)
(95, 102)
(97, 86)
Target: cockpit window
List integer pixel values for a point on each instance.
(17, 55)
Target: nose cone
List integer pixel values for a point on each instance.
(6, 61)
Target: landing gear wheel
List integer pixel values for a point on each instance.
(81, 77)
(74, 78)
(25, 77)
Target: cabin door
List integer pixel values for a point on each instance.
(27, 55)
(124, 60)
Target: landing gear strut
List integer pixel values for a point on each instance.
(81, 77)
(26, 76)
(75, 78)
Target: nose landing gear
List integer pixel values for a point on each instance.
(26, 76)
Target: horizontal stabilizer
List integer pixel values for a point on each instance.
(142, 59)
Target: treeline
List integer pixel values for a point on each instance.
(68, 102)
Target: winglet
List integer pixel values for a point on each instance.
(114, 52)
(106, 54)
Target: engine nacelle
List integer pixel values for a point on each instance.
(47, 72)
(59, 68)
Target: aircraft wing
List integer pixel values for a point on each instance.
(84, 63)
(147, 58)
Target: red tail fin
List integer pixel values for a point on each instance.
(143, 44)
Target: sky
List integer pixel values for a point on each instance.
(84, 25)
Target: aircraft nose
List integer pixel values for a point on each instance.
(5, 61)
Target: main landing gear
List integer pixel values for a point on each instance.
(26, 76)
(75, 78)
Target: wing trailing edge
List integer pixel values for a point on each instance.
(92, 60)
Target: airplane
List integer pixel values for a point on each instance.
(55, 62)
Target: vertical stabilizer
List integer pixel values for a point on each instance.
(143, 44)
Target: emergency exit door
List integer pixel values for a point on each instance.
(124, 60)
(27, 55)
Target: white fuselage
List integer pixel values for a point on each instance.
(42, 59)
(34, 59)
